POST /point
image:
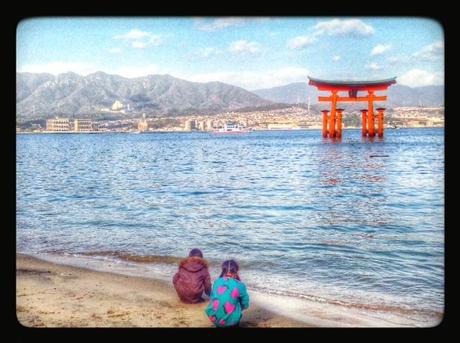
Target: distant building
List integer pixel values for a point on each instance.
(190, 125)
(66, 125)
(58, 124)
(82, 125)
(143, 125)
(202, 125)
(117, 105)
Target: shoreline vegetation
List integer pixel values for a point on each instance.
(56, 295)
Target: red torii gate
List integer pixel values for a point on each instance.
(334, 120)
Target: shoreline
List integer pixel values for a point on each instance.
(257, 130)
(75, 292)
(49, 294)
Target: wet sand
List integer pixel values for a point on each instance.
(54, 295)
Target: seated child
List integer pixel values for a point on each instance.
(193, 278)
(229, 297)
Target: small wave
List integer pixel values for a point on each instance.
(163, 259)
(368, 307)
(125, 256)
(184, 194)
(275, 207)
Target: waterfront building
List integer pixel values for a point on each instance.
(82, 125)
(58, 124)
(143, 125)
(190, 125)
(202, 125)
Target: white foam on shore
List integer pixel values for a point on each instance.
(312, 312)
(107, 264)
(328, 315)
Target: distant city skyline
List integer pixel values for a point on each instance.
(252, 53)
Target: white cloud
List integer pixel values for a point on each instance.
(380, 49)
(300, 42)
(207, 52)
(217, 24)
(374, 66)
(343, 27)
(418, 77)
(155, 40)
(138, 45)
(334, 27)
(243, 46)
(59, 68)
(290, 74)
(336, 58)
(397, 59)
(115, 50)
(222, 23)
(253, 80)
(133, 35)
(140, 39)
(430, 52)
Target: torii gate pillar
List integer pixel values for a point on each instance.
(325, 112)
(364, 123)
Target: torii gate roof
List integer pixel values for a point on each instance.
(343, 85)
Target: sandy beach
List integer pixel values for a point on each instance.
(54, 295)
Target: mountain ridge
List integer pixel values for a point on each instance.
(43, 95)
(96, 93)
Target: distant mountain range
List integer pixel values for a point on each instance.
(44, 95)
(99, 95)
(398, 95)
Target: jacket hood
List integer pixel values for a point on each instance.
(193, 264)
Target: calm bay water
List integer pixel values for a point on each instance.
(353, 222)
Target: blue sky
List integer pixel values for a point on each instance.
(249, 52)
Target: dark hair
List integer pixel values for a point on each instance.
(195, 252)
(229, 266)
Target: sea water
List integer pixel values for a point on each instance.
(354, 225)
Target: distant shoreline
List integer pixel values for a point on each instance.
(264, 130)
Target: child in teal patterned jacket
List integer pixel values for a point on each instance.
(229, 297)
